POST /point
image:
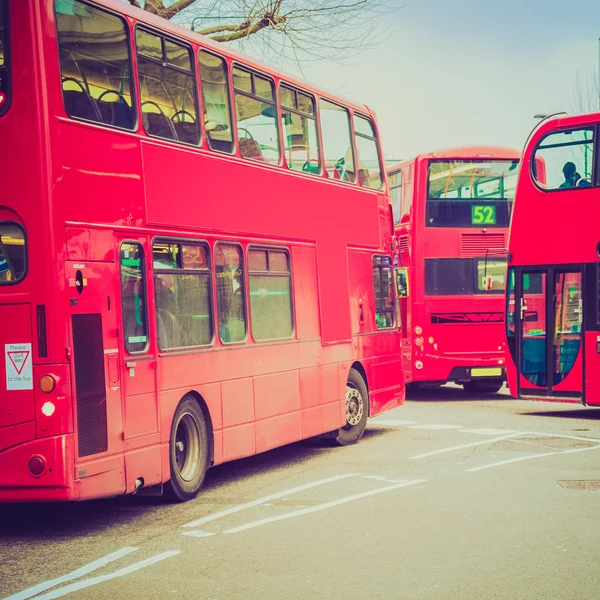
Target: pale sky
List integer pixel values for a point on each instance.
(463, 72)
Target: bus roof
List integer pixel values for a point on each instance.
(463, 153)
(139, 14)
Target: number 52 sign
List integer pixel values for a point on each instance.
(483, 215)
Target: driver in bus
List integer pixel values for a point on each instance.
(572, 177)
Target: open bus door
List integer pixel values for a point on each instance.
(547, 309)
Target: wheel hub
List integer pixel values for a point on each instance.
(354, 406)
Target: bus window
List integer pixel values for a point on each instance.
(95, 64)
(367, 154)
(270, 281)
(396, 194)
(299, 122)
(256, 112)
(491, 275)
(337, 142)
(3, 55)
(133, 297)
(383, 283)
(167, 88)
(568, 159)
(231, 296)
(182, 295)
(470, 193)
(13, 253)
(215, 100)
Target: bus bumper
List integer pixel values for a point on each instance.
(459, 369)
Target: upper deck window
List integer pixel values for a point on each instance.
(256, 111)
(167, 88)
(95, 64)
(370, 173)
(215, 99)
(470, 193)
(396, 194)
(337, 141)
(3, 55)
(299, 121)
(13, 253)
(564, 159)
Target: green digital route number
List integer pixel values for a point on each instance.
(483, 215)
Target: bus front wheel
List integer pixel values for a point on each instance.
(357, 410)
(188, 451)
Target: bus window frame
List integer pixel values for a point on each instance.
(133, 79)
(7, 66)
(400, 186)
(26, 247)
(595, 178)
(194, 72)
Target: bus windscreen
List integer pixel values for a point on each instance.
(470, 193)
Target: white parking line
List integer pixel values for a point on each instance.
(93, 566)
(80, 585)
(454, 448)
(240, 507)
(435, 426)
(486, 431)
(326, 505)
(391, 423)
(530, 457)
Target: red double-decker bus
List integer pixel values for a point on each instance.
(553, 317)
(195, 263)
(451, 211)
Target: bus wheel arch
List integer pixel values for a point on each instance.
(190, 448)
(357, 407)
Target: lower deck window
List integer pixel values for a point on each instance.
(383, 279)
(13, 253)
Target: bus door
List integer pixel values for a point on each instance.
(94, 350)
(549, 311)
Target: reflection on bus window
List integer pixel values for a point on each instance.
(470, 193)
(13, 253)
(133, 297)
(270, 280)
(256, 111)
(564, 159)
(337, 142)
(182, 295)
(491, 275)
(231, 296)
(215, 100)
(370, 173)
(383, 283)
(95, 64)
(299, 123)
(167, 89)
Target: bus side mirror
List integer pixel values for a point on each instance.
(402, 282)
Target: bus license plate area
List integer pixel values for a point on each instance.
(489, 372)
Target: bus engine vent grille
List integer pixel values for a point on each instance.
(477, 244)
(88, 354)
(403, 243)
(40, 313)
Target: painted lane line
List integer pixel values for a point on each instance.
(462, 446)
(240, 507)
(485, 431)
(93, 566)
(531, 457)
(560, 435)
(386, 479)
(391, 423)
(436, 426)
(86, 583)
(199, 534)
(326, 505)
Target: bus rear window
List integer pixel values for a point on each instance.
(3, 55)
(470, 193)
(13, 253)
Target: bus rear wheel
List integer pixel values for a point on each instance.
(188, 451)
(357, 410)
(484, 386)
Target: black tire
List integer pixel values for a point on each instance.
(483, 386)
(188, 451)
(357, 410)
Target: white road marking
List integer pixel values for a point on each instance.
(454, 448)
(199, 534)
(485, 431)
(80, 585)
(530, 457)
(380, 478)
(240, 507)
(326, 505)
(93, 566)
(391, 423)
(435, 426)
(559, 435)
